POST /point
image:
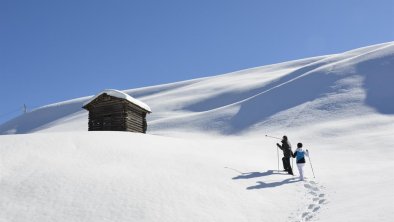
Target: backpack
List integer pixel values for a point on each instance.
(300, 154)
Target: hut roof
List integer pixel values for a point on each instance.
(121, 95)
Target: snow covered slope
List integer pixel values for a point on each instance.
(358, 82)
(205, 157)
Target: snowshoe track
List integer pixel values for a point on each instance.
(316, 199)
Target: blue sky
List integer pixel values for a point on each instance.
(56, 50)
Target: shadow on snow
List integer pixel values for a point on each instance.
(251, 175)
(262, 185)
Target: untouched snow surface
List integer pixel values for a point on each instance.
(206, 157)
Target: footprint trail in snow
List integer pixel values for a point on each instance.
(316, 198)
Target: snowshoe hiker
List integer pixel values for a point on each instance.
(300, 154)
(287, 153)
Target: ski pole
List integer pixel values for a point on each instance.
(310, 162)
(292, 159)
(273, 137)
(277, 153)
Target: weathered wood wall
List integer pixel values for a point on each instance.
(107, 113)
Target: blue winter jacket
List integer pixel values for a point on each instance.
(300, 154)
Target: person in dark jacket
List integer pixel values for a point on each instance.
(300, 154)
(287, 153)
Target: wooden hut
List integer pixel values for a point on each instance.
(113, 110)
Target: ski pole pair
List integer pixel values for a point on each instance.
(277, 151)
(277, 148)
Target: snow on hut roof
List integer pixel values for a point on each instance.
(121, 95)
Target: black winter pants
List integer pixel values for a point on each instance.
(287, 165)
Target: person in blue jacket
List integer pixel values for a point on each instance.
(300, 154)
